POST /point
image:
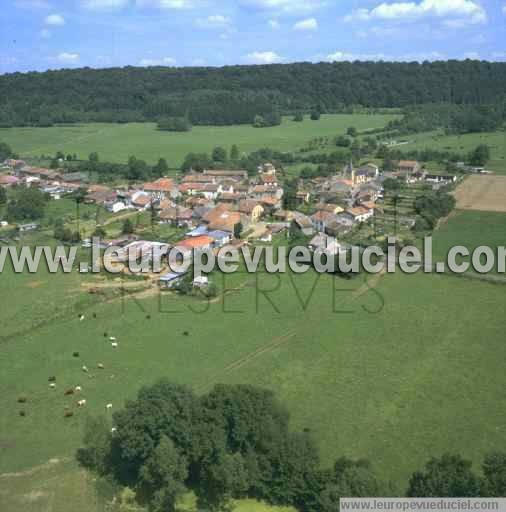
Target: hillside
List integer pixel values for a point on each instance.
(235, 94)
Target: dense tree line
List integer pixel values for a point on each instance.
(26, 203)
(236, 94)
(453, 119)
(235, 442)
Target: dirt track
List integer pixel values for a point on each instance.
(484, 193)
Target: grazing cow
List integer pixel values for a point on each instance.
(112, 338)
(81, 318)
(76, 354)
(114, 344)
(22, 413)
(69, 414)
(81, 403)
(108, 407)
(114, 430)
(52, 385)
(100, 366)
(77, 389)
(51, 379)
(69, 392)
(85, 369)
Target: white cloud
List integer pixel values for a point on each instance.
(455, 13)
(164, 61)
(165, 4)
(55, 20)
(284, 6)
(68, 58)
(45, 33)
(504, 9)
(214, 21)
(274, 24)
(309, 24)
(340, 56)
(268, 57)
(97, 5)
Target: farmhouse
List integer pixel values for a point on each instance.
(321, 219)
(162, 188)
(408, 167)
(359, 214)
(222, 219)
(302, 224)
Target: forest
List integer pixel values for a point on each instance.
(239, 94)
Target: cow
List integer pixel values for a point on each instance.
(112, 338)
(77, 389)
(100, 366)
(85, 369)
(69, 392)
(52, 385)
(75, 354)
(114, 430)
(81, 403)
(108, 407)
(51, 379)
(69, 414)
(114, 344)
(81, 318)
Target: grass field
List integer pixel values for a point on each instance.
(463, 144)
(116, 142)
(387, 374)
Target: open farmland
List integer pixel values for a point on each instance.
(485, 193)
(116, 142)
(462, 144)
(388, 349)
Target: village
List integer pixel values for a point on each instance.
(215, 207)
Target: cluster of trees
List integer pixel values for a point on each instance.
(135, 169)
(175, 124)
(431, 207)
(236, 94)
(269, 119)
(234, 442)
(26, 204)
(5, 152)
(453, 119)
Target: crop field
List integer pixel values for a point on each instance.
(485, 193)
(116, 142)
(462, 144)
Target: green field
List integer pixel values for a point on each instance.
(411, 369)
(462, 144)
(116, 142)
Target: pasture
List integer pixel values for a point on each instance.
(462, 144)
(372, 369)
(116, 142)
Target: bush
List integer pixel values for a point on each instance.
(175, 124)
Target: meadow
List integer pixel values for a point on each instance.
(370, 367)
(462, 144)
(116, 142)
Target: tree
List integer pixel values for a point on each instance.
(96, 452)
(5, 151)
(234, 153)
(391, 185)
(196, 162)
(480, 156)
(128, 227)
(238, 230)
(352, 131)
(449, 476)
(93, 157)
(258, 121)
(219, 154)
(161, 168)
(27, 204)
(315, 115)
(163, 475)
(343, 141)
(68, 157)
(298, 117)
(494, 469)
(3, 196)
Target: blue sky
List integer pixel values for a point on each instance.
(50, 34)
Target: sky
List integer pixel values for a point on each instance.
(36, 35)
